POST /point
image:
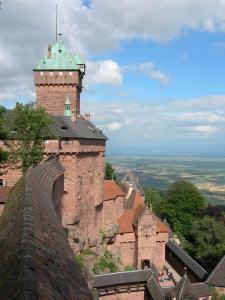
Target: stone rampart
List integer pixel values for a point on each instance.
(36, 260)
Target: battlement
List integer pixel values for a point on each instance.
(58, 78)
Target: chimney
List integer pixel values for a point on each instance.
(87, 116)
(49, 50)
(73, 116)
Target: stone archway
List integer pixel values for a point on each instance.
(145, 264)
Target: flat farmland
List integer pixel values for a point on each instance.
(207, 173)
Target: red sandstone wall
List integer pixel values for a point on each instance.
(160, 252)
(126, 244)
(118, 206)
(91, 172)
(53, 87)
(146, 241)
(109, 213)
(112, 209)
(83, 162)
(10, 174)
(139, 295)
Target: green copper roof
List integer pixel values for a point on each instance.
(67, 100)
(61, 59)
(67, 111)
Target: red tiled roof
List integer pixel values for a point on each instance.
(129, 216)
(111, 190)
(4, 191)
(161, 227)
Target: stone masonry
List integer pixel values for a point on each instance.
(52, 88)
(36, 260)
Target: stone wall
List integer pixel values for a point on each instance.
(8, 172)
(52, 89)
(112, 209)
(81, 208)
(82, 204)
(138, 295)
(36, 260)
(159, 254)
(125, 242)
(146, 239)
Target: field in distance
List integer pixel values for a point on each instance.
(207, 173)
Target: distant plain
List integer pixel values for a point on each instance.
(207, 173)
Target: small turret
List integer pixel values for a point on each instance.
(67, 110)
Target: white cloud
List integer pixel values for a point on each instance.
(7, 96)
(168, 121)
(114, 126)
(110, 22)
(184, 56)
(211, 103)
(202, 117)
(205, 129)
(97, 29)
(104, 72)
(148, 69)
(219, 45)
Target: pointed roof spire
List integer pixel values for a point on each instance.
(67, 111)
(61, 59)
(67, 100)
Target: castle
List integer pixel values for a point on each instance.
(95, 213)
(90, 205)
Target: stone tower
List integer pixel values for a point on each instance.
(58, 76)
(78, 144)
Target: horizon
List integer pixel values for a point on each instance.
(154, 82)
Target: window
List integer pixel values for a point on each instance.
(70, 73)
(41, 73)
(51, 74)
(1, 182)
(60, 73)
(67, 106)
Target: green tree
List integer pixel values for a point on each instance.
(27, 127)
(206, 241)
(183, 204)
(3, 133)
(153, 198)
(109, 172)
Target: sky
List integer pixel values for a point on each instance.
(155, 80)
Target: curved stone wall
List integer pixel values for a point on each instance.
(36, 260)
